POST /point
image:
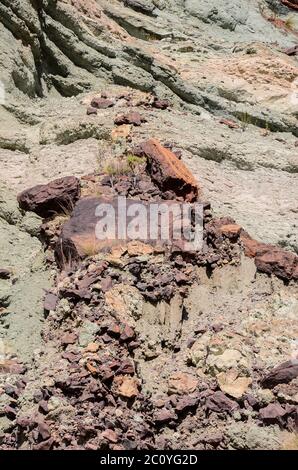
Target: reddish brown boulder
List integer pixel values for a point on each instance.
(167, 171)
(277, 261)
(284, 373)
(132, 118)
(79, 237)
(250, 245)
(57, 196)
(271, 259)
(102, 103)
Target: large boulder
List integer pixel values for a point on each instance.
(126, 220)
(271, 259)
(167, 171)
(58, 196)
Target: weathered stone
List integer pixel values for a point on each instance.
(231, 230)
(164, 416)
(133, 118)
(91, 111)
(291, 51)
(182, 383)
(58, 196)
(229, 359)
(126, 386)
(220, 403)
(271, 259)
(284, 373)
(79, 236)
(279, 262)
(160, 104)
(101, 103)
(167, 171)
(232, 384)
(272, 412)
(50, 301)
(186, 403)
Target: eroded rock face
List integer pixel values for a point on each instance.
(167, 171)
(58, 196)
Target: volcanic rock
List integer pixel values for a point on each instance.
(58, 196)
(220, 403)
(271, 259)
(284, 373)
(167, 171)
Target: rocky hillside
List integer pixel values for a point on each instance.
(139, 346)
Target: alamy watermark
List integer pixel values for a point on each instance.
(164, 222)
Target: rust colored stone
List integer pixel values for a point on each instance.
(167, 171)
(271, 259)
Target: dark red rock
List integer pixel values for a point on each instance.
(43, 407)
(102, 103)
(284, 373)
(277, 261)
(126, 367)
(220, 403)
(114, 330)
(78, 236)
(133, 118)
(46, 200)
(271, 259)
(167, 171)
(164, 416)
(186, 403)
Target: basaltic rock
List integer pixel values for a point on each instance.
(167, 171)
(46, 200)
(284, 373)
(80, 237)
(271, 259)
